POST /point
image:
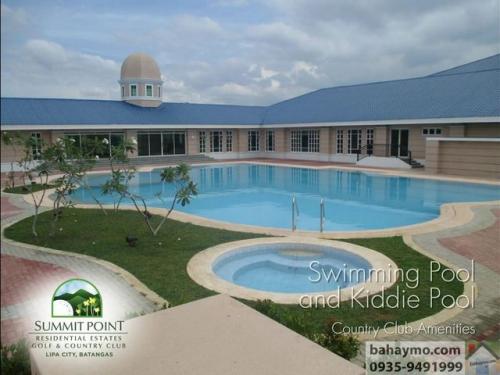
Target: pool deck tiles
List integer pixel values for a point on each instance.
(27, 269)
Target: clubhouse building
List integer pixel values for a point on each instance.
(448, 122)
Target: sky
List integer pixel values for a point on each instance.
(74, 286)
(250, 52)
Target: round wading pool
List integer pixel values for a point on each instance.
(284, 269)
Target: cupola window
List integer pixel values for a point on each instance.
(133, 90)
(149, 90)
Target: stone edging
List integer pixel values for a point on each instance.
(133, 281)
(451, 215)
(465, 214)
(200, 270)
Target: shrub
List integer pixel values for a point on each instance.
(16, 359)
(347, 346)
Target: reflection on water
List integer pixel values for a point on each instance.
(261, 195)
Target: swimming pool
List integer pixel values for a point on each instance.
(261, 195)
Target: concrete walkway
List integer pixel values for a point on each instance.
(477, 240)
(28, 273)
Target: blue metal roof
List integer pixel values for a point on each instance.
(33, 111)
(488, 63)
(475, 94)
(470, 90)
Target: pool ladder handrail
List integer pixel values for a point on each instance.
(321, 215)
(295, 213)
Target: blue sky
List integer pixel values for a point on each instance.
(74, 286)
(237, 51)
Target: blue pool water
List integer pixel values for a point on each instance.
(261, 195)
(287, 268)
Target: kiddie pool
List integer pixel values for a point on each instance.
(284, 269)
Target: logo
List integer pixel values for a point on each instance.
(76, 298)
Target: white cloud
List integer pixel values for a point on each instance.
(46, 68)
(272, 51)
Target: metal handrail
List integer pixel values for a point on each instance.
(321, 215)
(295, 212)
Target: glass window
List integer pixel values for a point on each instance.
(369, 136)
(143, 144)
(116, 140)
(123, 91)
(155, 144)
(216, 141)
(168, 144)
(133, 90)
(253, 140)
(270, 140)
(431, 131)
(149, 90)
(36, 147)
(203, 142)
(159, 91)
(229, 141)
(353, 140)
(180, 143)
(305, 141)
(340, 141)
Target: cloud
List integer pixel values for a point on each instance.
(242, 51)
(47, 69)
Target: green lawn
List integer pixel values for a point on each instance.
(26, 189)
(160, 262)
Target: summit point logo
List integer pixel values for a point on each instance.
(76, 298)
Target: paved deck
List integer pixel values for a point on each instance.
(477, 240)
(213, 336)
(29, 277)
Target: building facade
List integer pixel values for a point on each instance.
(385, 124)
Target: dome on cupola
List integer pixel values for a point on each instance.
(140, 81)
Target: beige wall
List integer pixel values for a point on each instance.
(464, 158)
(193, 142)
(281, 141)
(328, 140)
(14, 153)
(483, 130)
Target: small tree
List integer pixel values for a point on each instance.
(12, 140)
(30, 172)
(185, 189)
(72, 162)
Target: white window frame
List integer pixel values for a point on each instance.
(213, 146)
(431, 131)
(312, 140)
(203, 142)
(229, 141)
(272, 147)
(351, 149)
(370, 136)
(255, 148)
(36, 148)
(340, 141)
(130, 90)
(146, 90)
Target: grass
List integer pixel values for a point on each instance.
(26, 189)
(160, 262)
